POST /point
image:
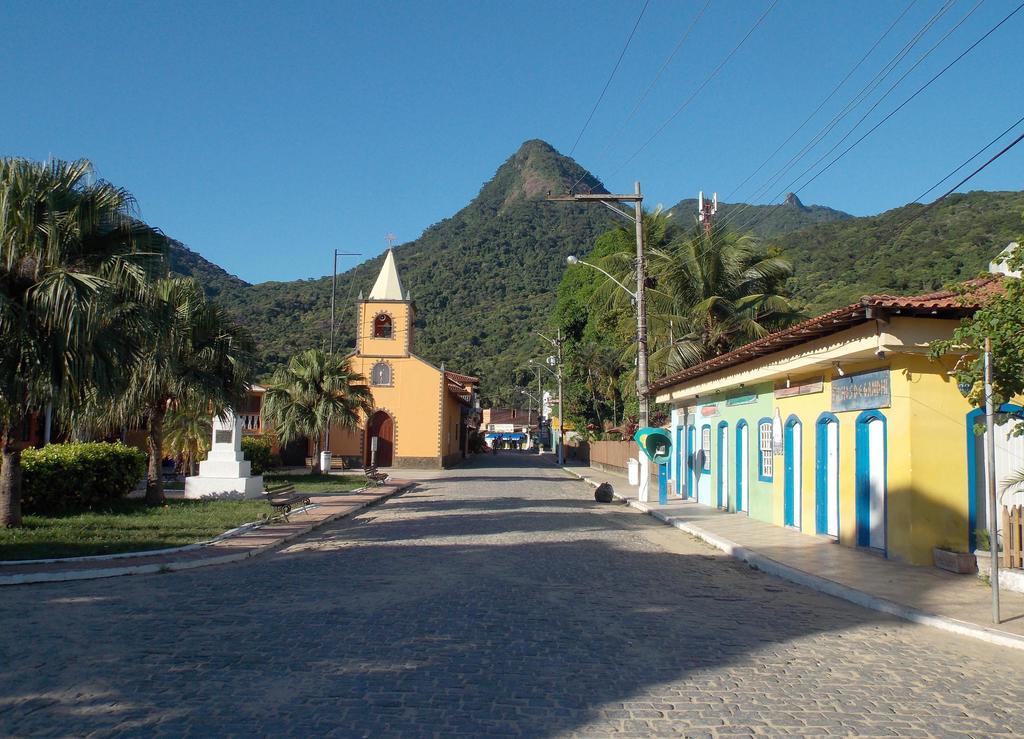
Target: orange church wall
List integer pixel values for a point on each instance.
(401, 327)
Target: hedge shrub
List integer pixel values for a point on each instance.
(259, 450)
(69, 478)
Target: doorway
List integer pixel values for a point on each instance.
(381, 427)
(742, 466)
(794, 451)
(826, 469)
(871, 480)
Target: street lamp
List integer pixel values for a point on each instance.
(608, 200)
(557, 343)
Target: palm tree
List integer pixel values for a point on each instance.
(709, 293)
(194, 354)
(314, 392)
(188, 429)
(70, 253)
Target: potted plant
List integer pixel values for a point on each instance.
(953, 559)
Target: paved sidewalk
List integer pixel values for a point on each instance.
(958, 603)
(325, 508)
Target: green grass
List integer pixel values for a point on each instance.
(128, 526)
(318, 483)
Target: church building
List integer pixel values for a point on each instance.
(422, 414)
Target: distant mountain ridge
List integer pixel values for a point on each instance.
(485, 278)
(765, 221)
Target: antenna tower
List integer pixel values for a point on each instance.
(706, 210)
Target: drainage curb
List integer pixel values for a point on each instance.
(172, 566)
(823, 584)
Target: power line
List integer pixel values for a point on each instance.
(610, 77)
(917, 92)
(953, 189)
(887, 92)
(823, 102)
(969, 159)
(850, 106)
(711, 76)
(650, 86)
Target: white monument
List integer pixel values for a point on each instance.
(225, 473)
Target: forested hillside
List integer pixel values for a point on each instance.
(838, 262)
(482, 279)
(485, 278)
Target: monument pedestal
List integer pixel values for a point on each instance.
(225, 473)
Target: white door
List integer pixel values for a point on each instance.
(1009, 461)
(796, 486)
(723, 467)
(743, 473)
(832, 478)
(876, 484)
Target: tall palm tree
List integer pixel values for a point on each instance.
(193, 353)
(708, 293)
(314, 392)
(71, 253)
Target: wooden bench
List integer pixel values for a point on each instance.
(337, 463)
(375, 476)
(284, 497)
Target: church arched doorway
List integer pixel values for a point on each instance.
(381, 428)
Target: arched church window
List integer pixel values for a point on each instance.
(380, 374)
(382, 326)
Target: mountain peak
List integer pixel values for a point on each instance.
(535, 170)
(794, 202)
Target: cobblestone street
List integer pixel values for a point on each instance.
(496, 598)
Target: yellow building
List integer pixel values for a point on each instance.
(843, 427)
(422, 414)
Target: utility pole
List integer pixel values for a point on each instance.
(706, 211)
(990, 480)
(557, 343)
(334, 288)
(636, 198)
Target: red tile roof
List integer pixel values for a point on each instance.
(464, 379)
(940, 304)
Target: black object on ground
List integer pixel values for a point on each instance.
(604, 493)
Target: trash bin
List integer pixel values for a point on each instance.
(325, 462)
(634, 471)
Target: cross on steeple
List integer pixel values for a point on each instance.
(390, 238)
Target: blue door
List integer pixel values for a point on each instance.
(871, 492)
(793, 453)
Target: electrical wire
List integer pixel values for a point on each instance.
(650, 86)
(953, 189)
(610, 77)
(711, 76)
(917, 92)
(850, 106)
(969, 159)
(823, 102)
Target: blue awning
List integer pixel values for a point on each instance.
(506, 436)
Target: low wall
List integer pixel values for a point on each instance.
(613, 456)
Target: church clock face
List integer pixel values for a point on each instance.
(380, 375)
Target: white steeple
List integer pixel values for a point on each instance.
(387, 286)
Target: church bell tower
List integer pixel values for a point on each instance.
(386, 316)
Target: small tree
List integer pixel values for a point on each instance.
(1000, 319)
(188, 429)
(314, 392)
(194, 354)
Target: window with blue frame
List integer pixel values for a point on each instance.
(766, 462)
(705, 447)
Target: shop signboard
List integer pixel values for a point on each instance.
(864, 391)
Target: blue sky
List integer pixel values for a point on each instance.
(264, 135)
